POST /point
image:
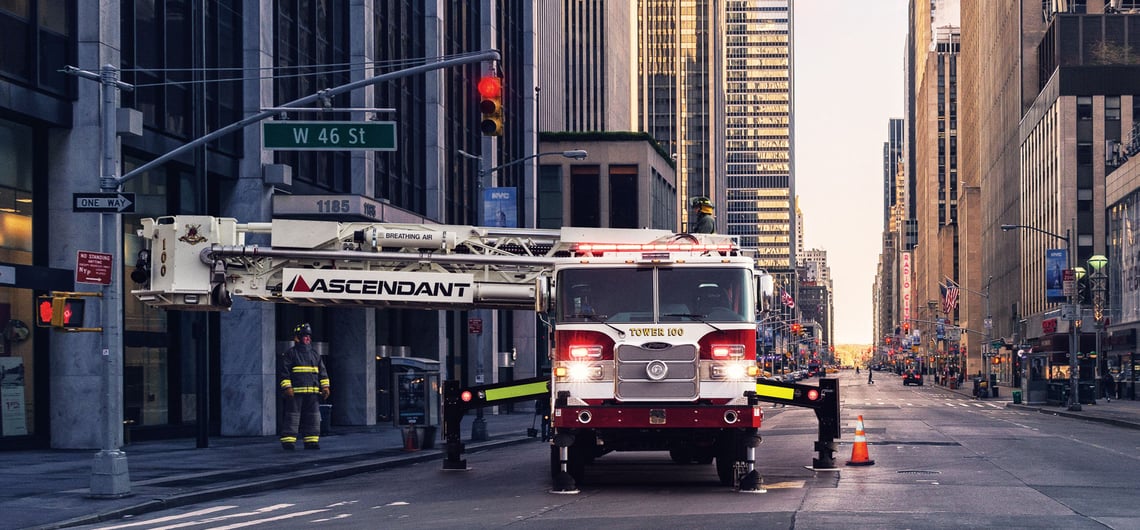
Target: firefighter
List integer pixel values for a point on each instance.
(703, 222)
(303, 382)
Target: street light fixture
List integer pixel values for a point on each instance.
(1074, 388)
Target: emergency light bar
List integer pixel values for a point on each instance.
(637, 247)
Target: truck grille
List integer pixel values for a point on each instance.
(667, 374)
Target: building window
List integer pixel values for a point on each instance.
(623, 203)
(585, 196)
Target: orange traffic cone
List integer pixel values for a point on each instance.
(859, 456)
(410, 441)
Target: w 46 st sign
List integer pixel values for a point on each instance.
(329, 135)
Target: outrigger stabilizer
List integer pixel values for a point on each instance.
(457, 401)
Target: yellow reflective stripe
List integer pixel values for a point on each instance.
(312, 439)
(516, 391)
(324, 382)
(288, 439)
(305, 369)
(285, 383)
(306, 389)
(775, 391)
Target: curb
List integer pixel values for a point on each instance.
(1077, 416)
(283, 481)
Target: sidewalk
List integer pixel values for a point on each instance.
(1119, 412)
(49, 488)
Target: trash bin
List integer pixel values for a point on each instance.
(994, 390)
(425, 435)
(1016, 397)
(326, 418)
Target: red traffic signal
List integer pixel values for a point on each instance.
(490, 87)
(491, 106)
(59, 312)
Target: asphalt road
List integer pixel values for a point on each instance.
(941, 461)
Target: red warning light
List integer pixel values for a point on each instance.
(465, 396)
(813, 394)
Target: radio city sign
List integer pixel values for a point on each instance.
(905, 266)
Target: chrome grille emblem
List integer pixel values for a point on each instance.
(656, 370)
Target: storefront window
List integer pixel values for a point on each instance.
(17, 399)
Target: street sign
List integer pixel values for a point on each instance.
(1068, 282)
(103, 202)
(329, 135)
(1069, 312)
(475, 326)
(93, 267)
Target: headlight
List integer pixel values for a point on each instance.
(734, 371)
(578, 372)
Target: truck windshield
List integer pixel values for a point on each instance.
(614, 295)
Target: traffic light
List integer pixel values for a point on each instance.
(491, 106)
(906, 328)
(59, 312)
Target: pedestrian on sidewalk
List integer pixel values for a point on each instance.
(870, 376)
(303, 381)
(1108, 385)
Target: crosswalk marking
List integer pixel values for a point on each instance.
(204, 511)
(269, 519)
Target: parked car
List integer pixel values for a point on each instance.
(911, 377)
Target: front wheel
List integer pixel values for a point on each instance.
(729, 451)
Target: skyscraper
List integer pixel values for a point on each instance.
(758, 178)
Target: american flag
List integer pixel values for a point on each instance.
(787, 299)
(949, 296)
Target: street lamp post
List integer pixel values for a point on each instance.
(1098, 278)
(1070, 242)
(487, 179)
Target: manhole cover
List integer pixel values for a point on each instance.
(918, 472)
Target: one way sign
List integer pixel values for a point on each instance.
(103, 202)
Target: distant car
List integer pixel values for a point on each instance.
(911, 377)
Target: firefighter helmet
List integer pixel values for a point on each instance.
(701, 203)
(303, 330)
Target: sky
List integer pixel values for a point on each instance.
(848, 68)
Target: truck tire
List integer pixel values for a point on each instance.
(682, 455)
(729, 450)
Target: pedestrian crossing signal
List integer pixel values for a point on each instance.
(59, 312)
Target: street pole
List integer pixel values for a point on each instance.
(1098, 278)
(1074, 385)
(109, 473)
